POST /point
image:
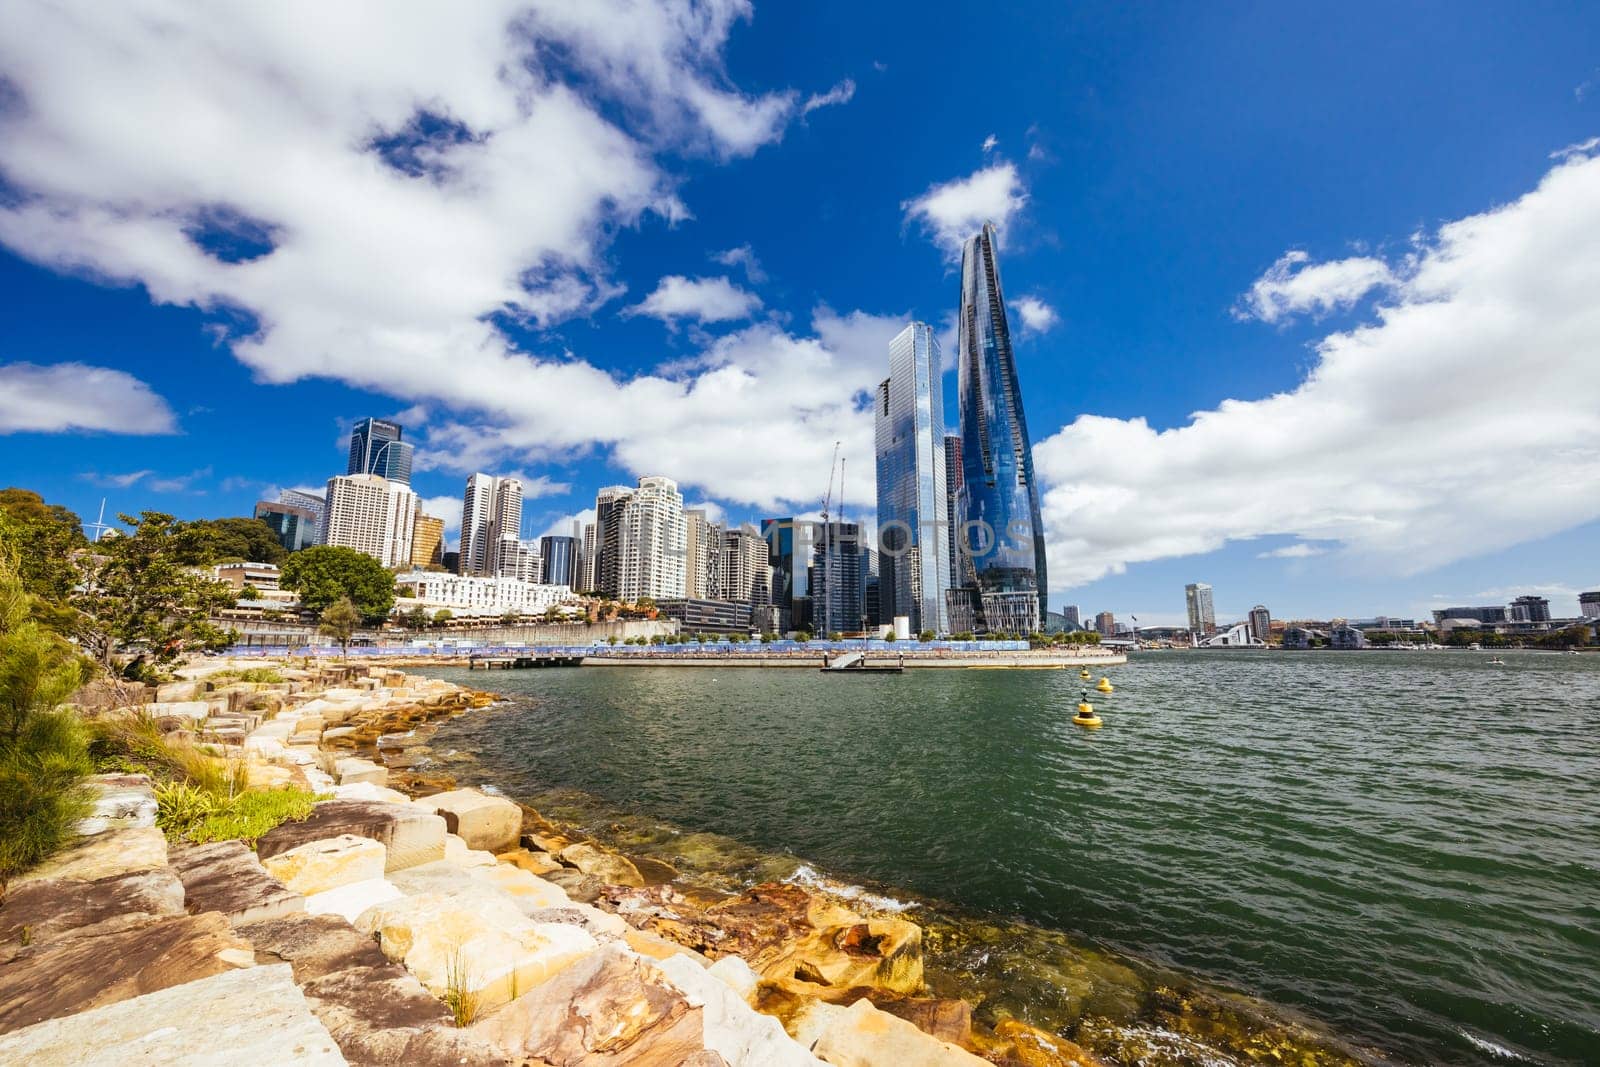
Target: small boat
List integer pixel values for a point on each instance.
(1497, 662)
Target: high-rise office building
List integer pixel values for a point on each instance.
(372, 515)
(1530, 609)
(1202, 616)
(1260, 623)
(586, 560)
(1071, 618)
(427, 543)
(913, 506)
(836, 595)
(491, 527)
(608, 505)
(702, 556)
(1002, 533)
(560, 556)
(746, 567)
(317, 505)
(952, 506)
(294, 527)
(376, 448)
(1105, 624)
(650, 542)
(1589, 604)
(789, 546)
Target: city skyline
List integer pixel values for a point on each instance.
(1190, 344)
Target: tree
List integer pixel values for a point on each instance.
(339, 621)
(889, 637)
(442, 616)
(767, 637)
(249, 592)
(417, 618)
(738, 638)
(802, 636)
(926, 635)
(325, 574)
(511, 618)
(136, 595)
(44, 756)
(835, 636)
(232, 540)
(42, 540)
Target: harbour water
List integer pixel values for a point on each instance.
(1401, 846)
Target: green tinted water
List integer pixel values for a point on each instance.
(1403, 845)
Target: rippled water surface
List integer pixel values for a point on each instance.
(1404, 845)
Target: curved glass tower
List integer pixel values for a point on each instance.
(1002, 538)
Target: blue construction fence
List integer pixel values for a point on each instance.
(722, 648)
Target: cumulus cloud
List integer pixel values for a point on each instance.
(955, 210)
(1290, 286)
(1459, 420)
(701, 299)
(1298, 550)
(989, 143)
(447, 508)
(1036, 315)
(58, 397)
(744, 258)
(379, 216)
(839, 94)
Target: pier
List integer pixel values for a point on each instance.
(521, 663)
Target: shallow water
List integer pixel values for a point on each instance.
(1405, 846)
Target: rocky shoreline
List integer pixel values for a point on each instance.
(409, 921)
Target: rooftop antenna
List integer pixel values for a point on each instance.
(99, 526)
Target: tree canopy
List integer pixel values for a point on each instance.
(42, 539)
(232, 540)
(324, 574)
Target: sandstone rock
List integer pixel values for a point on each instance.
(947, 1019)
(610, 868)
(1033, 1047)
(238, 1019)
(410, 834)
(734, 1030)
(349, 901)
(192, 710)
(457, 852)
(736, 974)
(584, 888)
(539, 863)
(107, 855)
(482, 821)
(862, 1036)
(43, 912)
(500, 882)
(607, 1009)
(368, 791)
(226, 877)
(484, 946)
(177, 691)
(121, 802)
(76, 974)
(318, 866)
(353, 769)
(526, 891)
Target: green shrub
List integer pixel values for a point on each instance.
(187, 813)
(263, 675)
(134, 744)
(43, 757)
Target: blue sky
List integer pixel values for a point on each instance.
(1340, 264)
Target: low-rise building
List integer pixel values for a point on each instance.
(1346, 636)
(487, 596)
(696, 614)
(262, 576)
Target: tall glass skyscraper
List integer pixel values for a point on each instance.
(376, 448)
(913, 546)
(1003, 537)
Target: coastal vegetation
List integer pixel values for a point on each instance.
(43, 752)
(198, 815)
(339, 621)
(325, 574)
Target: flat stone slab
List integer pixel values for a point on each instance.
(225, 876)
(484, 822)
(411, 834)
(106, 855)
(318, 866)
(42, 912)
(75, 975)
(121, 802)
(235, 1019)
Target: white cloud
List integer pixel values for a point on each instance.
(743, 257)
(72, 396)
(1582, 148)
(839, 94)
(1460, 420)
(116, 481)
(447, 508)
(1290, 287)
(989, 143)
(1298, 550)
(956, 209)
(563, 526)
(700, 299)
(1036, 315)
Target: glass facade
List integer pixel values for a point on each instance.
(913, 542)
(376, 448)
(1002, 537)
(836, 593)
(789, 553)
(559, 556)
(295, 527)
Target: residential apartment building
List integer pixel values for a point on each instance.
(491, 527)
(1261, 623)
(373, 515)
(650, 544)
(1202, 614)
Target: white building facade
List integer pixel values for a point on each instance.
(491, 526)
(652, 541)
(463, 595)
(1202, 615)
(373, 515)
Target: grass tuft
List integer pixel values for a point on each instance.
(458, 996)
(188, 813)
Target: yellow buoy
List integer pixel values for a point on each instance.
(1105, 684)
(1084, 674)
(1086, 715)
